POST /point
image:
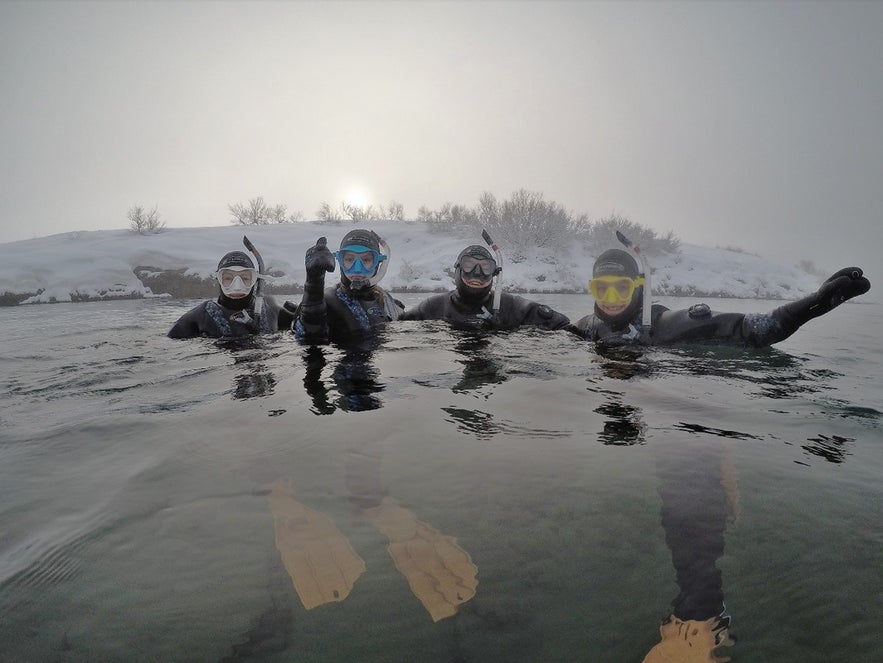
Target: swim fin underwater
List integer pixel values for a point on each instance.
(690, 641)
(320, 560)
(324, 567)
(440, 573)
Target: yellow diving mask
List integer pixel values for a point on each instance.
(612, 289)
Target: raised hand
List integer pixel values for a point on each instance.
(319, 259)
(840, 286)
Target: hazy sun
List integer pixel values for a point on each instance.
(357, 196)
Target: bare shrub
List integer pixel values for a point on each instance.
(144, 222)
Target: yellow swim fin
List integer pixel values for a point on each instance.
(440, 573)
(690, 641)
(320, 560)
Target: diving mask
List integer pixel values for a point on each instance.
(357, 260)
(614, 289)
(236, 281)
(483, 269)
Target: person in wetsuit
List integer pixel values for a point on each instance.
(470, 304)
(235, 312)
(355, 307)
(617, 286)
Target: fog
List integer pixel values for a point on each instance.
(754, 125)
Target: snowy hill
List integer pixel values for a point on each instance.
(105, 264)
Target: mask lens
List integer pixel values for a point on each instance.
(359, 263)
(236, 281)
(226, 276)
(477, 266)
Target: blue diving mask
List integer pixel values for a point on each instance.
(358, 260)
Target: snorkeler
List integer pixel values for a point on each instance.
(240, 309)
(357, 305)
(478, 303)
(624, 315)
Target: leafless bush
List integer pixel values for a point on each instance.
(600, 234)
(144, 222)
(526, 220)
(258, 213)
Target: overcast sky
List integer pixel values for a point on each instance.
(751, 124)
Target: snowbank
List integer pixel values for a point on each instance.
(80, 266)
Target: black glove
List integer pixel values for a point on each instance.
(319, 260)
(843, 285)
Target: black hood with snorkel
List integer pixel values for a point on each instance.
(466, 293)
(236, 259)
(370, 240)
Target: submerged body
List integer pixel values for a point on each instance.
(357, 306)
(461, 313)
(476, 304)
(695, 324)
(211, 318)
(344, 313)
(619, 286)
(240, 309)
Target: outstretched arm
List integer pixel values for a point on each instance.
(782, 322)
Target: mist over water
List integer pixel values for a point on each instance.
(140, 479)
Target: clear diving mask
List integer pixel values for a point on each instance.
(236, 281)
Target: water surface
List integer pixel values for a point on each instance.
(137, 473)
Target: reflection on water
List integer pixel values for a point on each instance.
(832, 448)
(480, 366)
(253, 378)
(354, 384)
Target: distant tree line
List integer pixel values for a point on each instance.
(526, 220)
(523, 222)
(258, 213)
(327, 213)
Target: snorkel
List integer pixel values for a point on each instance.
(498, 279)
(258, 299)
(645, 274)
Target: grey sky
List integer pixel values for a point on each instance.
(753, 124)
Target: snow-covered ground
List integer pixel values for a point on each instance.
(99, 264)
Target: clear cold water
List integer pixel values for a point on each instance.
(134, 474)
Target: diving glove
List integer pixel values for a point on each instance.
(319, 260)
(840, 286)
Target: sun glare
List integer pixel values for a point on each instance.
(357, 196)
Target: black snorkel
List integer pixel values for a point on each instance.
(498, 279)
(645, 274)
